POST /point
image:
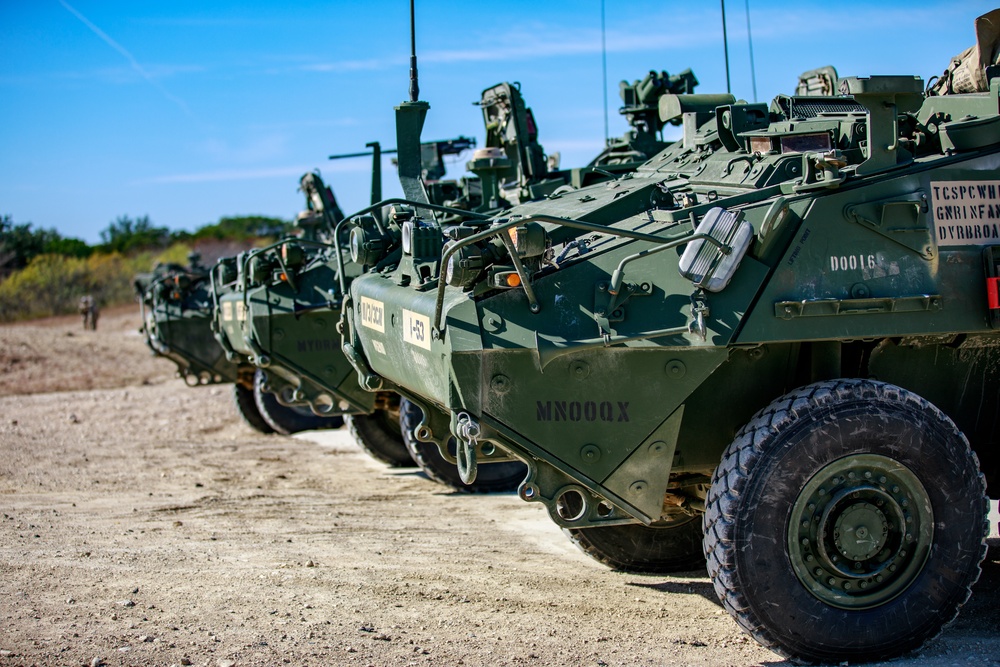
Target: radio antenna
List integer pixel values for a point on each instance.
(604, 69)
(414, 86)
(753, 72)
(409, 123)
(725, 44)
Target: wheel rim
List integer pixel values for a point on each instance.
(860, 531)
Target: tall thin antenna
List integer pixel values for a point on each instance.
(414, 87)
(604, 69)
(725, 44)
(753, 72)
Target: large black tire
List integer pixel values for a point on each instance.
(490, 477)
(846, 522)
(378, 434)
(284, 419)
(658, 549)
(246, 406)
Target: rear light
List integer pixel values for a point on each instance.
(993, 293)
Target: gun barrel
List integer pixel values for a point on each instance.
(362, 154)
(446, 147)
(455, 146)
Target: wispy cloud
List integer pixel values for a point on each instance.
(139, 69)
(225, 175)
(257, 149)
(350, 65)
(120, 75)
(234, 175)
(207, 22)
(304, 123)
(545, 41)
(681, 30)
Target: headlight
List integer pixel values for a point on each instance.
(260, 269)
(292, 255)
(529, 239)
(408, 237)
(463, 267)
(366, 249)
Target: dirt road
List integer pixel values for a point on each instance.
(142, 524)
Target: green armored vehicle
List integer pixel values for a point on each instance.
(176, 306)
(775, 345)
(173, 300)
(277, 306)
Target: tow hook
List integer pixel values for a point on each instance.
(466, 432)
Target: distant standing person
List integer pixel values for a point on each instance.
(89, 310)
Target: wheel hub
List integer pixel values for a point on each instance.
(860, 531)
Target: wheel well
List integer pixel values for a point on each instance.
(960, 375)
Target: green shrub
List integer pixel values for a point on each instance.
(53, 284)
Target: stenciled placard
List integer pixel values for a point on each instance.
(966, 212)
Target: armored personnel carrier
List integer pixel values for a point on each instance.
(775, 345)
(176, 307)
(290, 342)
(173, 302)
(277, 306)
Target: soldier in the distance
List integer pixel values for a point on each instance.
(89, 311)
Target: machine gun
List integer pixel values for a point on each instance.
(640, 106)
(322, 211)
(432, 155)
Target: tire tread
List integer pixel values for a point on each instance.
(747, 451)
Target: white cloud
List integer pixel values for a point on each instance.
(349, 65)
(224, 175)
(304, 123)
(259, 149)
(232, 175)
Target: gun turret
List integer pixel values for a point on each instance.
(322, 212)
(640, 106)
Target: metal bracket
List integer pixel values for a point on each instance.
(821, 170)
(902, 220)
(569, 504)
(788, 310)
(699, 312)
(609, 307)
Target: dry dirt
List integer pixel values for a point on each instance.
(141, 523)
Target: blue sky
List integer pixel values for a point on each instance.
(187, 111)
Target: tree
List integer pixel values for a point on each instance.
(241, 228)
(19, 244)
(126, 234)
(70, 247)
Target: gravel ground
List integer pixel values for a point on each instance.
(141, 523)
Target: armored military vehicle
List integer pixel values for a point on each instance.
(274, 310)
(781, 334)
(175, 303)
(278, 305)
(177, 310)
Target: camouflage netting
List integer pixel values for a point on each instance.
(967, 71)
